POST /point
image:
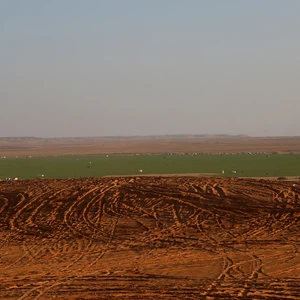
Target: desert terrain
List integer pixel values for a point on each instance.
(150, 238)
(148, 144)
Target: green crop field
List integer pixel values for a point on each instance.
(98, 166)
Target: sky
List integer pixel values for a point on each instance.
(149, 67)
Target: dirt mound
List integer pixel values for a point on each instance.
(150, 238)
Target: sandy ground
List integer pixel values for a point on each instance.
(150, 238)
(160, 144)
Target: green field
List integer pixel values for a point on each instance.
(98, 166)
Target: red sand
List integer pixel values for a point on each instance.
(150, 238)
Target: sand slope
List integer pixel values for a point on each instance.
(149, 238)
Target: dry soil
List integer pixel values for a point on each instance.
(150, 238)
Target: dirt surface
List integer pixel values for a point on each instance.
(150, 144)
(150, 238)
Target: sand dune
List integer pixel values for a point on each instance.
(150, 238)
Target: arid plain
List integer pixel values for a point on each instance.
(151, 237)
(149, 144)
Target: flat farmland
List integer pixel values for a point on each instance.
(245, 165)
(150, 238)
(86, 157)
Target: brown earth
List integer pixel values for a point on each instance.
(150, 238)
(150, 144)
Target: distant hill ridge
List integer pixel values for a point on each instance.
(32, 138)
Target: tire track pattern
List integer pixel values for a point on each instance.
(150, 237)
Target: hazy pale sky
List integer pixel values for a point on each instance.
(149, 67)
